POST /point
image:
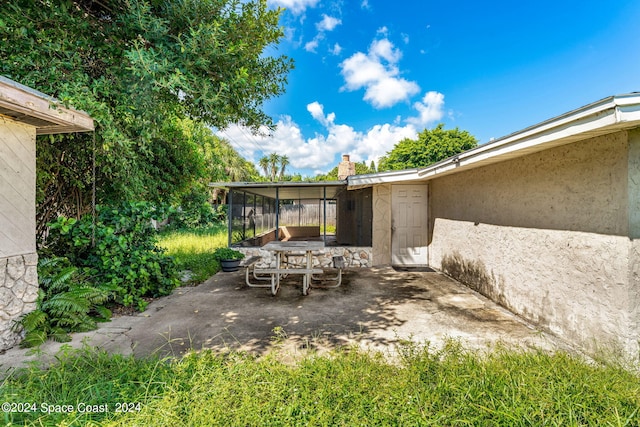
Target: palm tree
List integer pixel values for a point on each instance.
(274, 162)
(264, 164)
(274, 166)
(284, 161)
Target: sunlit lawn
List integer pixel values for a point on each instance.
(348, 387)
(193, 249)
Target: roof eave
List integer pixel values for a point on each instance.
(47, 115)
(605, 116)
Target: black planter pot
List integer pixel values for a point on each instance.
(230, 264)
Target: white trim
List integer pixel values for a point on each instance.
(605, 116)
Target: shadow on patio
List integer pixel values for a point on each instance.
(375, 308)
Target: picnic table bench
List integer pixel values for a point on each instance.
(282, 269)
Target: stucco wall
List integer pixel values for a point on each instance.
(17, 188)
(547, 236)
(18, 258)
(633, 299)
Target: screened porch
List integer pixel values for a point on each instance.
(260, 212)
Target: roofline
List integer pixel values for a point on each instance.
(274, 184)
(608, 115)
(52, 117)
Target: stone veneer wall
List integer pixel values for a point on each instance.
(355, 256)
(548, 236)
(18, 294)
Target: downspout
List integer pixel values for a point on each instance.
(244, 215)
(277, 214)
(324, 215)
(229, 214)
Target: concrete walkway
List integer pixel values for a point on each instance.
(376, 308)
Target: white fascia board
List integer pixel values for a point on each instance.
(361, 181)
(604, 116)
(607, 115)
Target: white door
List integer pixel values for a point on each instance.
(409, 225)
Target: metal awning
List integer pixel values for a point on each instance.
(287, 190)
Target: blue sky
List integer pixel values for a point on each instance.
(369, 73)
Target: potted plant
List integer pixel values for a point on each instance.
(229, 258)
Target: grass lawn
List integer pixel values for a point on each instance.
(193, 249)
(349, 387)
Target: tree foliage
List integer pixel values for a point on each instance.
(430, 147)
(125, 256)
(152, 73)
(274, 166)
(361, 169)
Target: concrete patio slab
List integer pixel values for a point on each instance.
(375, 308)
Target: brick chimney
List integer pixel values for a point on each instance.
(346, 168)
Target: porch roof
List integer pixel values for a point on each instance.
(608, 115)
(287, 190)
(26, 105)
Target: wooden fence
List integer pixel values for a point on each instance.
(307, 214)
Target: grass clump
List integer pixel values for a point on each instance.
(426, 386)
(194, 250)
(84, 379)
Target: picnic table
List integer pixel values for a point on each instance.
(283, 250)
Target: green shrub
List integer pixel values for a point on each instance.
(124, 256)
(194, 211)
(66, 303)
(227, 253)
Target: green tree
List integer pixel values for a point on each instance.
(140, 68)
(361, 169)
(284, 162)
(430, 147)
(274, 166)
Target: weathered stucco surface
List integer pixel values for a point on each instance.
(381, 225)
(634, 235)
(18, 294)
(547, 236)
(17, 188)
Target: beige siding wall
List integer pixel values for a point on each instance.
(17, 188)
(547, 236)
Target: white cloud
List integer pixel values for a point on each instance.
(336, 49)
(378, 73)
(295, 6)
(384, 49)
(360, 70)
(365, 4)
(430, 109)
(317, 112)
(312, 45)
(328, 23)
(388, 91)
(318, 153)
